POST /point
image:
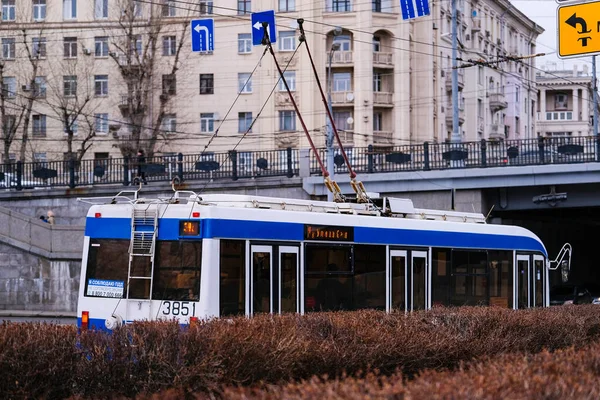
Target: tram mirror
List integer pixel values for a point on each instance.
(564, 271)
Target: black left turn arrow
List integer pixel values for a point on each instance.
(574, 20)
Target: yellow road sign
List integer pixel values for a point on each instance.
(578, 29)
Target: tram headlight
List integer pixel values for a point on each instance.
(596, 300)
(568, 303)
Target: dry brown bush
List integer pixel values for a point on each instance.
(153, 357)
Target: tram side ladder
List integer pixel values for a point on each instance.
(144, 230)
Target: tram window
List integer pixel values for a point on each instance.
(440, 290)
(501, 278)
(368, 289)
(469, 278)
(177, 270)
(108, 260)
(328, 281)
(232, 282)
(328, 259)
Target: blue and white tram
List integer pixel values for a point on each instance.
(191, 257)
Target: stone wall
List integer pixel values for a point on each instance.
(39, 266)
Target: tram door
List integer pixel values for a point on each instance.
(523, 281)
(408, 280)
(273, 279)
(539, 282)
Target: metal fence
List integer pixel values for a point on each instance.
(254, 164)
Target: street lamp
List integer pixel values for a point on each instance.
(334, 46)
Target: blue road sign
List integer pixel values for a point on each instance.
(408, 8)
(203, 35)
(257, 29)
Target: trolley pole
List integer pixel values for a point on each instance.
(330, 165)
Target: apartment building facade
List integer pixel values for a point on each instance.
(565, 106)
(108, 76)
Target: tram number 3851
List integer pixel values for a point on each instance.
(176, 308)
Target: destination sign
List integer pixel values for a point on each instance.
(329, 233)
(189, 228)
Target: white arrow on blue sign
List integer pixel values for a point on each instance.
(257, 28)
(408, 8)
(203, 35)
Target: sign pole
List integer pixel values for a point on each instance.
(455, 128)
(595, 89)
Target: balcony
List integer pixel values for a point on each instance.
(383, 138)
(461, 116)
(497, 101)
(382, 59)
(461, 81)
(383, 99)
(282, 99)
(347, 137)
(476, 25)
(342, 98)
(341, 57)
(497, 132)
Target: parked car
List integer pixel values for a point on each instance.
(10, 181)
(574, 294)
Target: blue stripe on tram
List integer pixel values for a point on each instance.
(168, 229)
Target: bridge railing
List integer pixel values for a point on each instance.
(253, 164)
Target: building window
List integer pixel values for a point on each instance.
(137, 8)
(376, 6)
(69, 9)
(169, 84)
(71, 124)
(290, 78)
(376, 43)
(8, 10)
(244, 43)
(339, 5)
(341, 118)
(169, 45)
(560, 101)
(342, 82)
(39, 89)
(168, 8)
(101, 9)
(480, 75)
(38, 125)
(70, 47)
(169, 123)
(244, 122)
(377, 121)
(39, 47)
(205, 7)
(287, 40)
(243, 7)
(207, 84)
(377, 82)
(287, 5)
(39, 10)
(101, 46)
(9, 125)
(101, 123)
(101, 85)
(8, 48)
(40, 158)
(207, 123)
(9, 86)
(344, 41)
(287, 120)
(244, 83)
(69, 85)
(136, 45)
